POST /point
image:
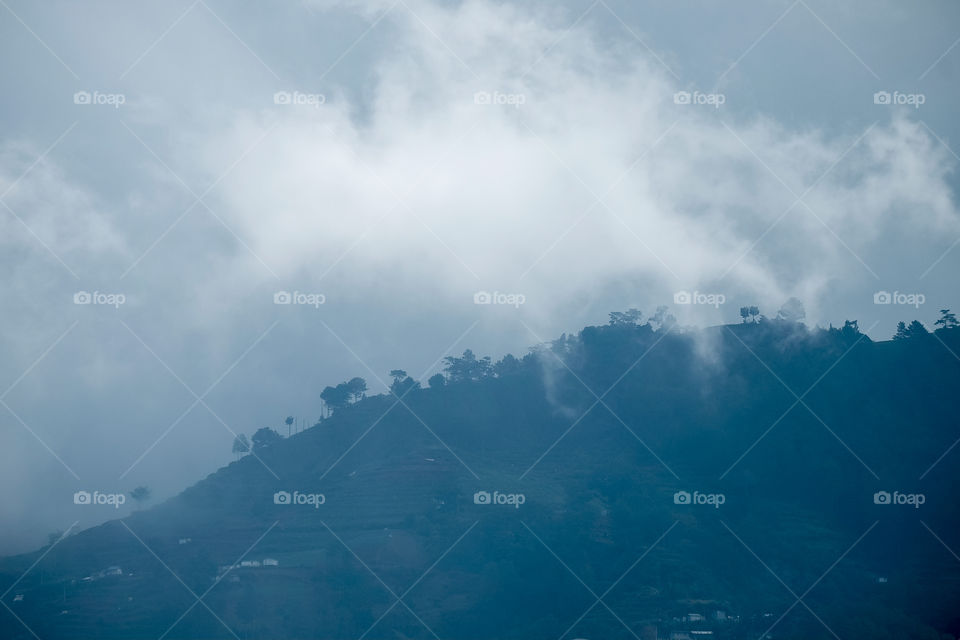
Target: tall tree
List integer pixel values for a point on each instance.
(902, 333)
(241, 445)
(851, 329)
(402, 383)
(916, 329)
(357, 388)
(264, 438)
(336, 397)
(288, 422)
(141, 494)
(947, 320)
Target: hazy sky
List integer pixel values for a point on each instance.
(395, 158)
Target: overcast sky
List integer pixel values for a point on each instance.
(193, 159)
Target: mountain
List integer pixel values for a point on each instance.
(624, 482)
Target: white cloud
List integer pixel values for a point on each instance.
(490, 189)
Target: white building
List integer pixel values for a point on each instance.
(270, 562)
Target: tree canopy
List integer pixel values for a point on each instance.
(467, 368)
(264, 438)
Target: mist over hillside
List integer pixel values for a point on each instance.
(736, 481)
(306, 329)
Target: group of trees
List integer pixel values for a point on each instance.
(948, 320)
(343, 394)
(628, 317)
(912, 330)
(791, 311)
(470, 368)
(661, 318)
(262, 439)
(402, 383)
(751, 313)
(467, 368)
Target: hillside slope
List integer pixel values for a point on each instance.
(784, 434)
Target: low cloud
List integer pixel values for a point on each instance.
(461, 173)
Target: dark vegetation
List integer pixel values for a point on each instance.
(798, 428)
